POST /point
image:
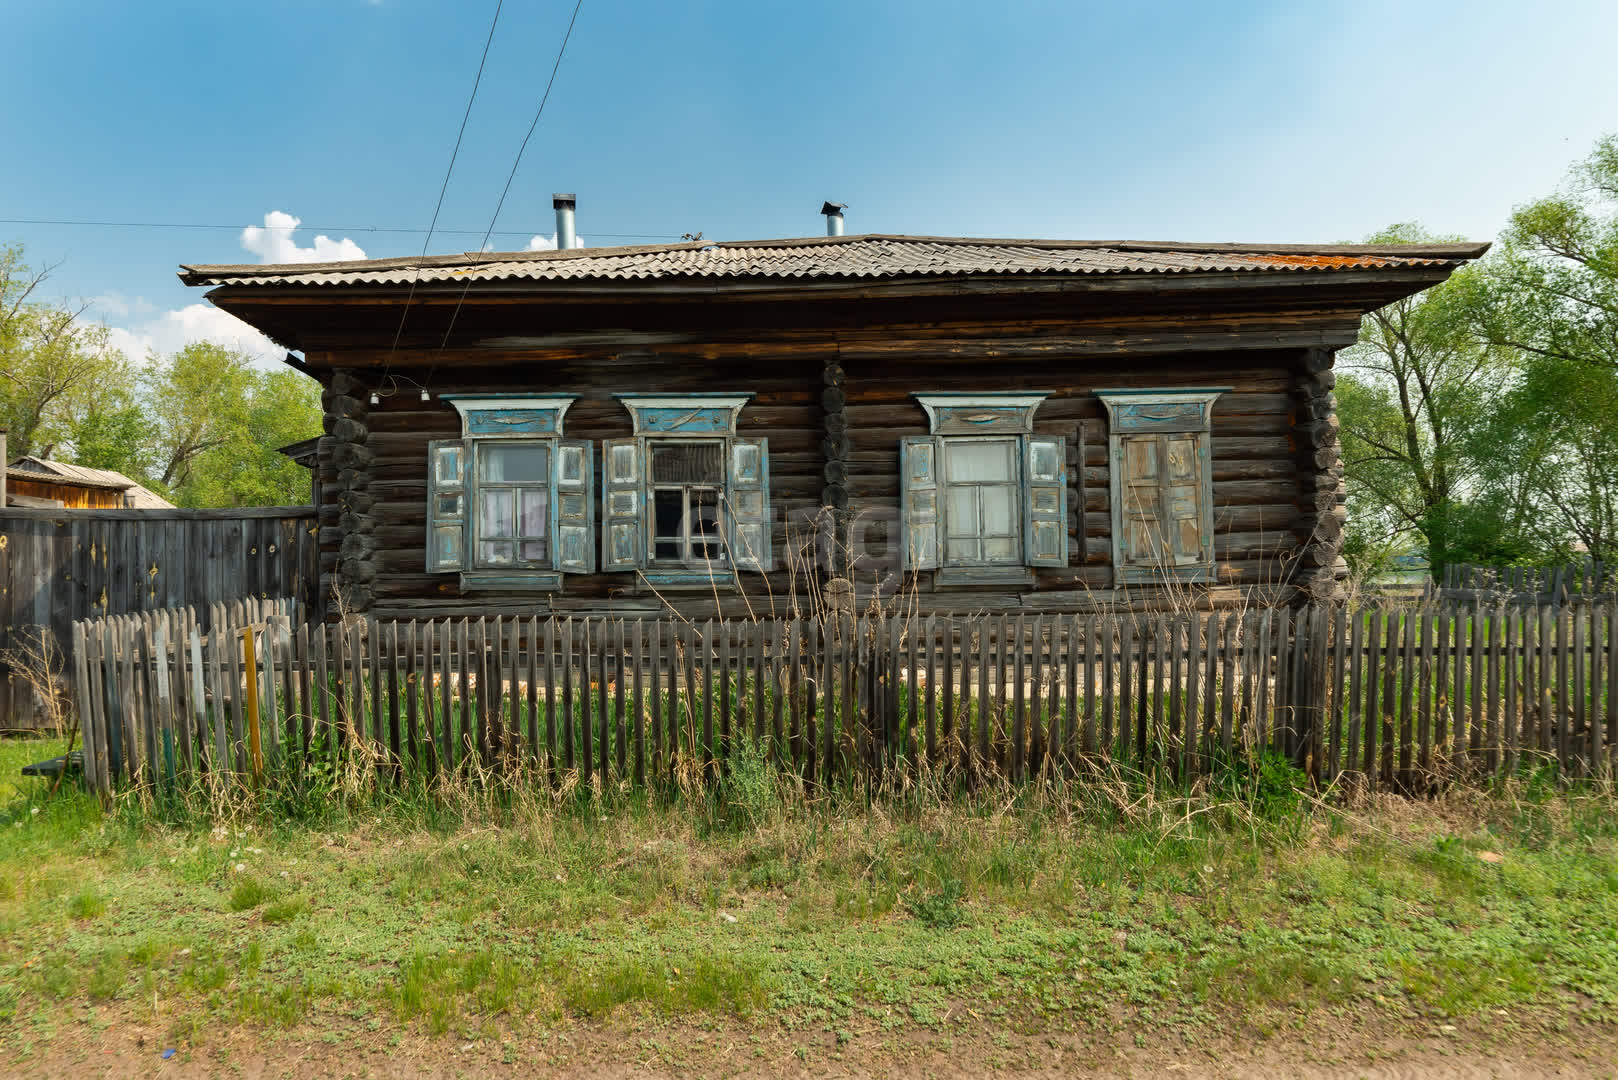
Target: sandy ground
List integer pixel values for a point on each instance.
(113, 1047)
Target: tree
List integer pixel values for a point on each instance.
(200, 400)
(247, 469)
(1549, 295)
(1411, 394)
(48, 354)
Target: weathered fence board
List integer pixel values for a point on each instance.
(1379, 698)
(60, 566)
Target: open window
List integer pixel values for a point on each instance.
(509, 503)
(686, 500)
(982, 492)
(1162, 483)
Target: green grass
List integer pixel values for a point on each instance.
(475, 913)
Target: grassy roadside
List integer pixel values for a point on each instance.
(1103, 907)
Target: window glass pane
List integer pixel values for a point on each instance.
(997, 504)
(963, 511)
(533, 550)
(496, 517)
(669, 512)
(999, 550)
(1044, 465)
(448, 466)
(534, 520)
(687, 463)
(514, 463)
(961, 551)
(704, 513)
(496, 552)
(980, 461)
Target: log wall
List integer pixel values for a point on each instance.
(834, 400)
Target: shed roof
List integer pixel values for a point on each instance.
(37, 470)
(870, 256)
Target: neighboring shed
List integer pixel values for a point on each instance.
(37, 482)
(971, 425)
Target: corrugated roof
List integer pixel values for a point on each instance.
(845, 257)
(39, 469)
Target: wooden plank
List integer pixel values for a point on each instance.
(777, 688)
(1608, 762)
(1109, 684)
(930, 717)
(848, 628)
(704, 670)
(791, 686)
(830, 684)
(655, 665)
(536, 739)
(1478, 669)
(728, 691)
(1511, 718)
(604, 707)
(1372, 681)
(1492, 738)
(1424, 727)
(1578, 726)
(1407, 726)
(1081, 733)
(984, 661)
(231, 643)
(1389, 701)
(1563, 716)
(1019, 722)
(586, 721)
(813, 701)
(1543, 680)
(638, 701)
(569, 751)
(620, 721)
(1263, 717)
(701, 755)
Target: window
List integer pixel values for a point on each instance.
(508, 503)
(687, 479)
(1162, 483)
(686, 498)
(983, 491)
(514, 492)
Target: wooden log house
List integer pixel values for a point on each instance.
(784, 426)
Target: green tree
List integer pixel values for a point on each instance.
(1549, 295)
(247, 469)
(1411, 393)
(49, 356)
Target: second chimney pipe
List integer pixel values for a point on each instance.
(565, 236)
(834, 217)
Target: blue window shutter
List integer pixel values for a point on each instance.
(1045, 500)
(447, 511)
(748, 512)
(918, 502)
(623, 504)
(574, 508)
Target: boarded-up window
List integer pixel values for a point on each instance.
(1162, 485)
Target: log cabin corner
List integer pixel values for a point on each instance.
(779, 427)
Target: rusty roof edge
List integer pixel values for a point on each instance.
(202, 273)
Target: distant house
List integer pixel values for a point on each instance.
(32, 481)
(987, 425)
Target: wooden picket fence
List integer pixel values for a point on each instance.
(1394, 699)
(1582, 582)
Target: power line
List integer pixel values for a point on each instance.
(555, 67)
(404, 312)
(485, 233)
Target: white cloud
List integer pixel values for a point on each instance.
(548, 243)
(171, 331)
(274, 243)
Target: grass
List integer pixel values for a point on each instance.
(1111, 904)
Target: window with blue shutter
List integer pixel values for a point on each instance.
(509, 503)
(686, 499)
(982, 491)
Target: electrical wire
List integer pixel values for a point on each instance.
(404, 312)
(555, 67)
(318, 228)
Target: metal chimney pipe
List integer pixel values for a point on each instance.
(564, 203)
(834, 217)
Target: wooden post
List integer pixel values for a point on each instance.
(250, 664)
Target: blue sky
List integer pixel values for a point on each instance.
(1258, 121)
